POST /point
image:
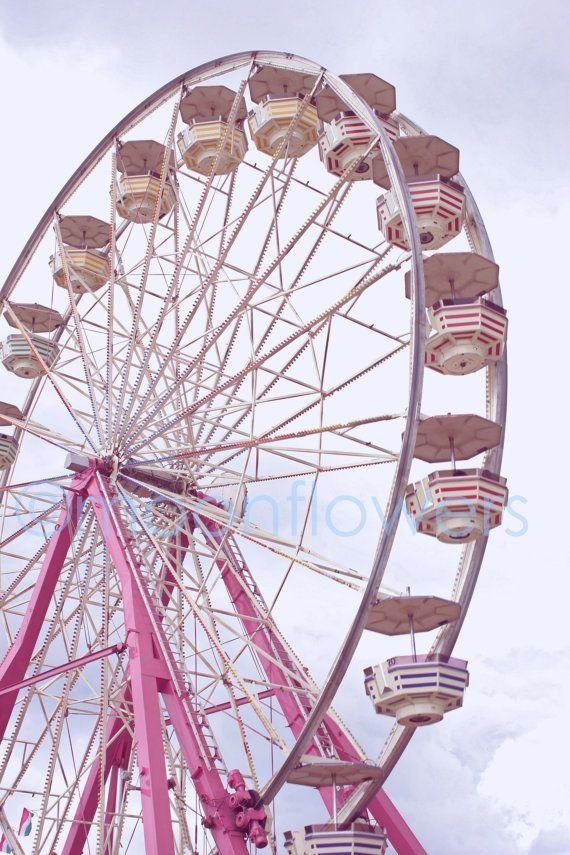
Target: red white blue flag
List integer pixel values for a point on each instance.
(25, 823)
(4, 845)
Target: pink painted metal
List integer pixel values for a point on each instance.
(398, 831)
(279, 666)
(119, 742)
(61, 669)
(239, 702)
(18, 657)
(119, 745)
(152, 672)
(249, 814)
(110, 810)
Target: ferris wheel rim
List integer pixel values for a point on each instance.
(150, 103)
(211, 69)
(473, 553)
(133, 117)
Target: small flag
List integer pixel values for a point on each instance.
(4, 845)
(25, 823)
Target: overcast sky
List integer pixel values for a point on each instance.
(492, 78)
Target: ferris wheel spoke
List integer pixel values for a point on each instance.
(168, 148)
(255, 363)
(375, 452)
(118, 742)
(335, 205)
(268, 436)
(320, 207)
(283, 372)
(110, 402)
(85, 359)
(254, 533)
(54, 759)
(273, 225)
(189, 241)
(233, 479)
(37, 516)
(261, 201)
(228, 669)
(93, 768)
(29, 752)
(44, 433)
(313, 460)
(57, 628)
(341, 576)
(262, 394)
(340, 430)
(203, 261)
(334, 208)
(214, 419)
(118, 354)
(199, 378)
(277, 658)
(26, 765)
(342, 385)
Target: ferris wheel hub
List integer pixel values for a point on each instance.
(153, 478)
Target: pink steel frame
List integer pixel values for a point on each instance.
(296, 705)
(152, 672)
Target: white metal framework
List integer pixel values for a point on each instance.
(234, 345)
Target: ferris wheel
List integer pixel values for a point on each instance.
(224, 322)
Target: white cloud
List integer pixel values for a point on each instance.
(490, 778)
(526, 775)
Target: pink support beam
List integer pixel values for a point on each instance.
(399, 833)
(110, 810)
(146, 670)
(19, 655)
(62, 669)
(118, 746)
(151, 675)
(119, 742)
(239, 702)
(269, 650)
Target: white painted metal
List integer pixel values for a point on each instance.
(417, 690)
(152, 370)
